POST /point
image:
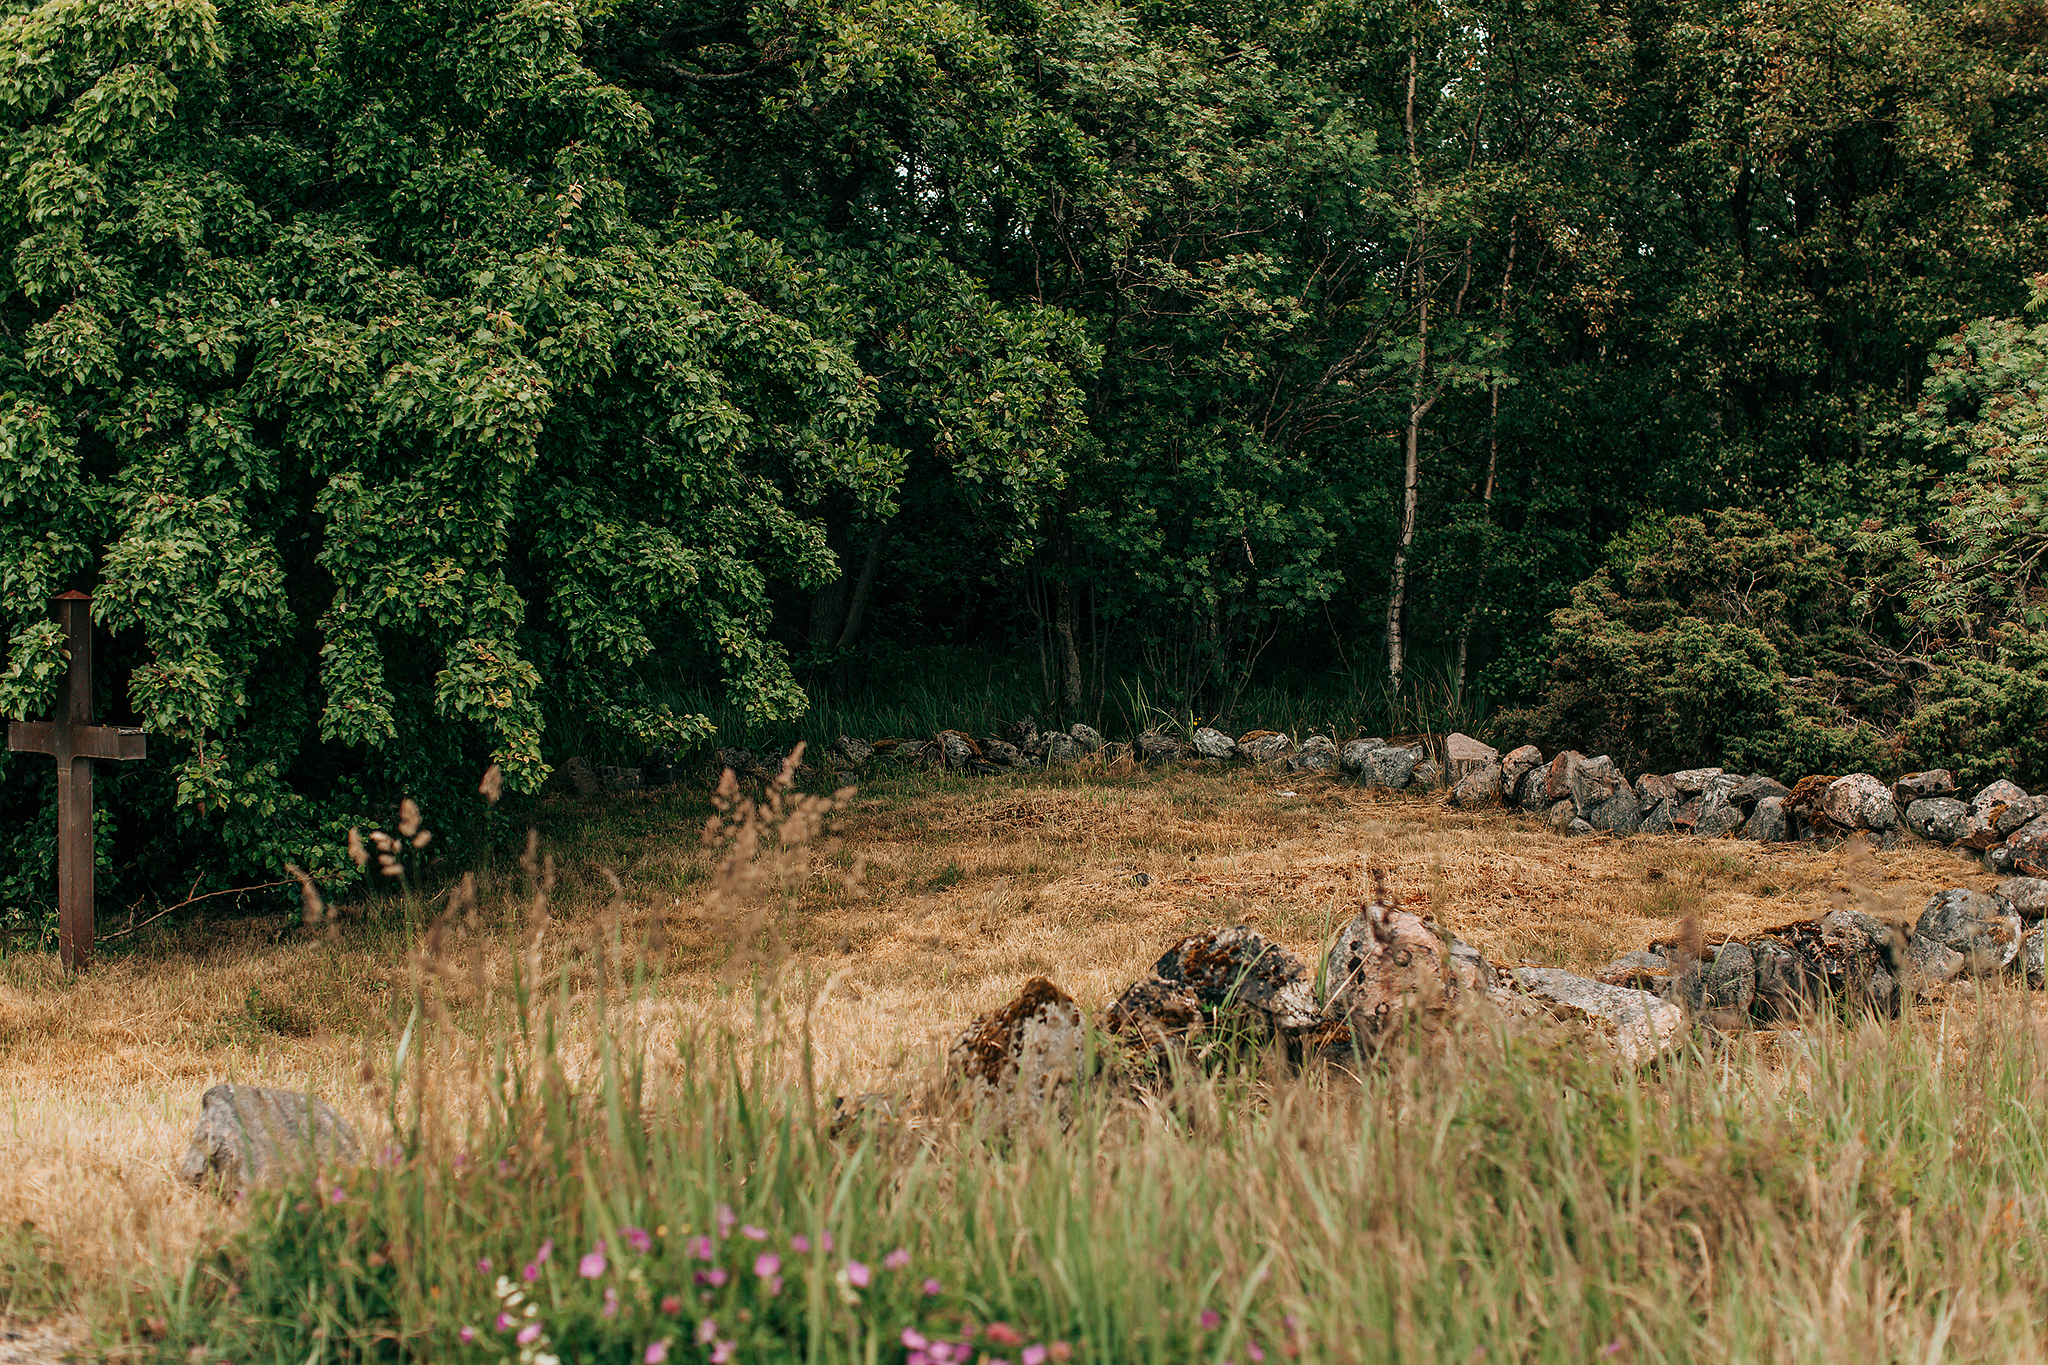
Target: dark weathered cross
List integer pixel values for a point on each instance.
(76, 742)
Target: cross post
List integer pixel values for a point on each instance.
(75, 742)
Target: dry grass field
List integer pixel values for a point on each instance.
(933, 900)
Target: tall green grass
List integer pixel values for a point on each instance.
(1875, 1193)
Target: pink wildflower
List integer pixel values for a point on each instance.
(1002, 1334)
(767, 1264)
(1210, 1321)
(931, 1288)
(700, 1247)
(483, 1266)
(721, 1352)
(706, 1330)
(857, 1275)
(800, 1244)
(505, 1323)
(752, 1233)
(1033, 1355)
(898, 1259)
(1254, 1353)
(716, 1277)
(593, 1262)
(528, 1334)
(774, 1286)
(611, 1302)
(726, 1218)
(657, 1351)
(671, 1304)
(914, 1339)
(466, 1335)
(637, 1239)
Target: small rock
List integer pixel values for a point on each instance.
(1579, 829)
(1531, 793)
(1263, 746)
(1238, 968)
(1464, 755)
(249, 1135)
(1985, 805)
(1392, 766)
(1022, 732)
(1729, 981)
(2011, 819)
(1921, 786)
(1693, 781)
(1618, 814)
(1557, 778)
(1859, 801)
(1141, 879)
(1213, 744)
(1003, 753)
(1428, 773)
(1934, 964)
(1061, 748)
(1656, 799)
(1152, 1013)
(1718, 814)
(956, 750)
(1638, 969)
(1984, 930)
(1087, 736)
(1478, 787)
(2032, 963)
(1636, 1024)
(1022, 1059)
(582, 777)
(2029, 895)
(1767, 822)
(1787, 987)
(1387, 970)
(1317, 754)
(1940, 819)
(1593, 782)
(617, 779)
(2028, 847)
(1517, 762)
(1156, 746)
(1754, 789)
(1561, 816)
(1353, 756)
(851, 752)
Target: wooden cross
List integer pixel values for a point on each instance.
(76, 742)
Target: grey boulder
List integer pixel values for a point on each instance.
(1718, 813)
(1859, 801)
(1354, 756)
(1636, 1024)
(1317, 754)
(1984, 930)
(1517, 763)
(249, 1135)
(1020, 1061)
(2032, 963)
(1479, 787)
(956, 750)
(1428, 773)
(1061, 748)
(1767, 824)
(1923, 786)
(1940, 819)
(1392, 766)
(1211, 743)
(1087, 736)
(1156, 746)
(1464, 755)
(2029, 895)
(1263, 746)
(1693, 781)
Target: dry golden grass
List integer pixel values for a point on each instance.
(936, 899)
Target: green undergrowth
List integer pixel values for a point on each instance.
(581, 1182)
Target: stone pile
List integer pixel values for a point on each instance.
(1390, 971)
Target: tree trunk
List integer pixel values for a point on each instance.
(828, 613)
(864, 587)
(1507, 278)
(1418, 408)
(1069, 652)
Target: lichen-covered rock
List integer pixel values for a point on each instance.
(1985, 807)
(1156, 746)
(1237, 969)
(1387, 970)
(1213, 744)
(1719, 815)
(1859, 801)
(2016, 816)
(1087, 736)
(1428, 773)
(583, 778)
(1464, 755)
(1479, 787)
(1693, 781)
(1656, 799)
(1354, 756)
(1317, 754)
(1152, 1013)
(1557, 782)
(1923, 786)
(1727, 985)
(1263, 746)
(1846, 954)
(850, 752)
(956, 750)
(1618, 814)
(1985, 930)
(2032, 961)
(2029, 895)
(1530, 792)
(1787, 987)
(1021, 1060)
(1003, 754)
(1516, 764)
(1940, 819)
(2027, 848)
(1061, 748)
(1641, 970)
(1767, 822)
(1636, 1024)
(1392, 766)
(1757, 788)
(1934, 964)
(249, 1135)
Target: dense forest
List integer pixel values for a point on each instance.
(421, 385)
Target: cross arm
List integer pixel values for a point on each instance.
(87, 741)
